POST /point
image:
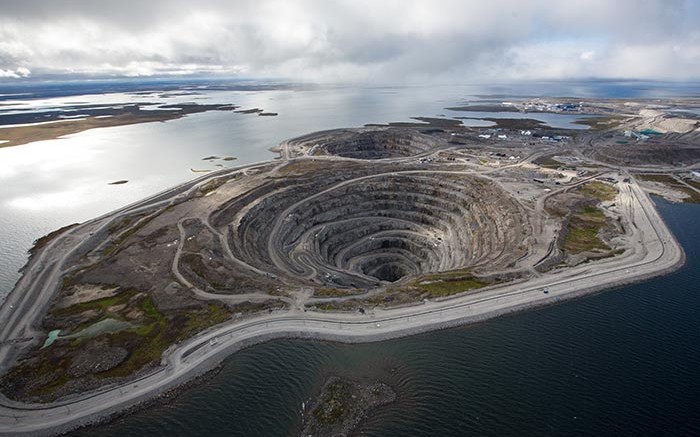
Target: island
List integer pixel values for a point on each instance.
(342, 405)
(353, 235)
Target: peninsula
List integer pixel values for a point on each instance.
(358, 234)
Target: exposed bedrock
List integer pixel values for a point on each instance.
(649, 155)
(380, 228)
(367, 143)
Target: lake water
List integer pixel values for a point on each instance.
(621, 363)
(563, 121)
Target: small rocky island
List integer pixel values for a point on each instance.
(342, 405)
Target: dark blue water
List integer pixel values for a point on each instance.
(621, 363)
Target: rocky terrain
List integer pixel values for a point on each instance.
(342, 405)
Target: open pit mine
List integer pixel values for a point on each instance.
(352, 235)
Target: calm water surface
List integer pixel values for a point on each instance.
(621, 363)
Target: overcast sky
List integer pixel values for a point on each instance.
(354, 41)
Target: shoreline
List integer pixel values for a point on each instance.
(199, 355)
(13, 135)
(210, 369)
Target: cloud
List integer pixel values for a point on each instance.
(20, 72)
(354, 40)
